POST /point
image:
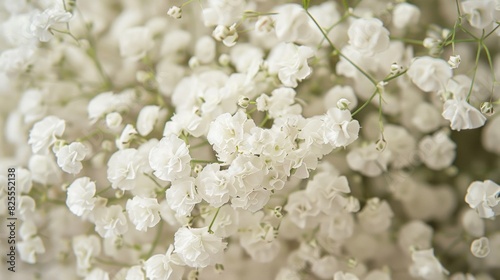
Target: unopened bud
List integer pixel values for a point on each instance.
(343, 104)
(220, 32)
(487, 108)
(243, 102)
(224, 59)
(480, 247)
(380, 144)
(175, 12)
(194, 62)
(197, 168)
(454, 61)
(264, 24)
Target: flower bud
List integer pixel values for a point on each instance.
(194, 62)
(380, 144)
(454, 61)
(480, 248)
(487, 108)
(113, 120)
(224, 59)
(220, 32)
(175, 12)
(243, 102)
(343, 104)
(264, 24)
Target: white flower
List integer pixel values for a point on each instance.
(484, 197)
(437, 151)
(147, 119)
(415, 235)
(213, 185)
(426, 266)
(325, 267)
(114, 120)
(480, 248)
(69, 157)
(404, 15)
(135, 273)
(29, 248)
(339, 128)
(44, 169)
(426, 117)
(143, 212)
(108, 102)
(281, 103)
(289, 61)
(42, 22)
(368, 36)
(472, 223)
(223, 12)
(480, 13)
(110, 221)
(291, 24)
(376, 216)
(337, 93)
(124, 168)
(97, 274)
(44, 133)
(85, 247)
(170, 159)
(462, 115)
(175, 12)
(182, 196)
(300, 207)
(368, 160)
(126, 137)
(197, 247)
(80, 199)
(204, 50)
(429, 74)
(344, 276)
(166, 266)
(135, 42)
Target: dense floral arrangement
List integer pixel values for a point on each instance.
(252, 139)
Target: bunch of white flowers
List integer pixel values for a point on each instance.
(251, 139)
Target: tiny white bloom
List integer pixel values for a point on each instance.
(29, 248)
(197, 247)
(166, 266)
(69, 157)
(182, 196)
(368, 36)
(289, 61)
(454, 61)
(339, 128)
(80, 199)
(479, 13)
(135, 42)
(484, 197)
(462, 115)
(175, 12)
(429, 74)
(143, 212)
(44, 134)
(480, 248)
(147, 119)
(42, 22)
(85, 247)
(110, 221)
(426, 266)
(170, 159)
(405, 15)
(437, 151)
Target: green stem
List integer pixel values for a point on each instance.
(213, 220)
(366, 103)
(372, 80)
(478, 53)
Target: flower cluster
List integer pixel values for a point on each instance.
(244, 139)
